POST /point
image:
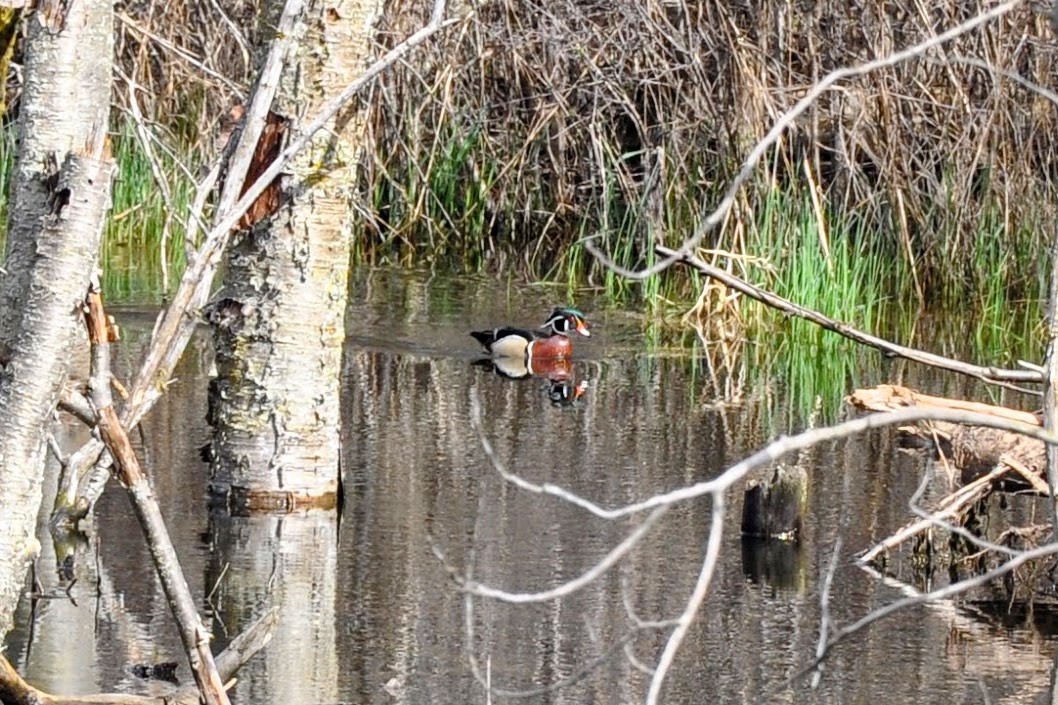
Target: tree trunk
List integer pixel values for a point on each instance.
(58, 201)
(279, 327)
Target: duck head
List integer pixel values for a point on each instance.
(564, 321)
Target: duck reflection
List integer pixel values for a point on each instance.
(562, 387)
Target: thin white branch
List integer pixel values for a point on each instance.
(750, 164)
(694, 603)
(569, 587)
(768, 454)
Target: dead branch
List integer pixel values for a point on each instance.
(988, 374)
(774, 451)
(949, 507)
(886, 397)
(193, 632)
(975, 450)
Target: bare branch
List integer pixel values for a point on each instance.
(775, 450)
(701, 589)
(571, 586)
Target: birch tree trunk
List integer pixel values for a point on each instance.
(59, 197)
(279, 326)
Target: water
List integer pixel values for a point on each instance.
(371, 614)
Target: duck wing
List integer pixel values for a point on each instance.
(505, 341)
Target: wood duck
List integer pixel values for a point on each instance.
(550, 341)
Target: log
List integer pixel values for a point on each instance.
(975, 450)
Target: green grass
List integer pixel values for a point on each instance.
(133, 248)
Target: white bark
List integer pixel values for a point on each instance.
(59, 199)
(280, 323)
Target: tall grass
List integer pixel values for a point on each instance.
(135, 242)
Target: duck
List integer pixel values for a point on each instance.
(550, 341)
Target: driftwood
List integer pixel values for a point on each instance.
(975, 450)
(15, 691)
(987, 458)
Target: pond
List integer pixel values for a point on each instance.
(370, 612)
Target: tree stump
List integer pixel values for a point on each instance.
(774, 508)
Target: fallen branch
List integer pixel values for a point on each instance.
(975, 450)
(987, 374)
(193, 633)
(951, 505)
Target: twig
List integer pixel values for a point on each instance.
(1026, 474)
(571, 586)
(183, 54)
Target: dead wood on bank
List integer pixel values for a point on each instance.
(989, 460)
(975, 450)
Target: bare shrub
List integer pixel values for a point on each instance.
(569, 114)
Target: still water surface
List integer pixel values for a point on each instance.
(370, 614)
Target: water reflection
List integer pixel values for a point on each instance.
(371, 615)
(561, 389)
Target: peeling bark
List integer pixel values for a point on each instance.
(280, 327)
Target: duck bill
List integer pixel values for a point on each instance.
(582, 328)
